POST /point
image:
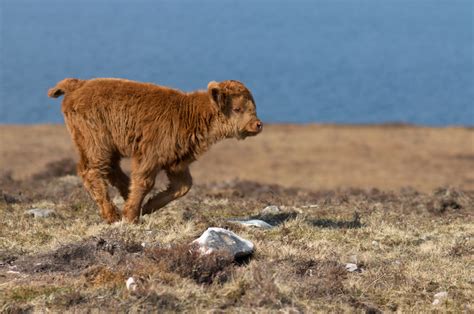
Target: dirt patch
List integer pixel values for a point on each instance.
(446, 200)
(320, 278)
(338, 224)
(7, 258)
(7, 198)
(187, 261)
(153, 301)
(75, 257)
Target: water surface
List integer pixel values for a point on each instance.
(345, 61)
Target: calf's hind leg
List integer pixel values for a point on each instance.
(94, 166)
(180, 183)
(143, 180)
(94, 178)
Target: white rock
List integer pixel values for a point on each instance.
(253, 223)
(12, 272)
(40, 212)
(272, 209)
(131, 284)
(219, 239)
(352, 267)
(439, 296)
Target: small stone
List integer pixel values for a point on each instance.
(253, 223)
(272, 209)
(40, 212)
(131, 284)
(441, 295)
(351, 267)
(219, 239)
(13, 272)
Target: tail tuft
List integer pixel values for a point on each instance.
(55, 92)
(65, 86)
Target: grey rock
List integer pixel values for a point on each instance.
(253, 223)
(41, 212)
(219, 239)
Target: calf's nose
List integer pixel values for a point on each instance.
(259, 125)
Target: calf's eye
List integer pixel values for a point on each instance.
(237, 109)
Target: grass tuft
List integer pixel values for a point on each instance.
(187, 261)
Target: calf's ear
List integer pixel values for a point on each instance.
(216, 94)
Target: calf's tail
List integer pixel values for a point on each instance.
(65, 86)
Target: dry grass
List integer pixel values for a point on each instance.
(314, 157)
(409, 245)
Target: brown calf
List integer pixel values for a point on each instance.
(158, 127)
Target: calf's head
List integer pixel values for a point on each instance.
(235, 101)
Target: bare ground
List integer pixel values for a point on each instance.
(387, 157)
(408, 226)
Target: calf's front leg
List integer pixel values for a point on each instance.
(180, 183)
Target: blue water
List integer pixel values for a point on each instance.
(342, 61)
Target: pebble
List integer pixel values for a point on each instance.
(253, 223)
(351, 267)
(40, 212)
(13, 272)
(439, 296)
(219, 239)
(131, 284)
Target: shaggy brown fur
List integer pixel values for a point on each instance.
(158, 127)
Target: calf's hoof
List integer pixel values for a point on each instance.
(131, 218)
(111, 217)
